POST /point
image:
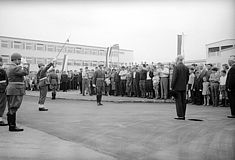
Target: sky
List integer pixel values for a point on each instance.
(147, 27)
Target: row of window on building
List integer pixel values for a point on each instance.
(71, 62)
(215, 51)
(56, 48)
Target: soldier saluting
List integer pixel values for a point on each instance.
(43, 84)
(15, 89)
(98, 83)
(3, 97)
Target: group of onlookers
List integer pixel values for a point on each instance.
(206, 84)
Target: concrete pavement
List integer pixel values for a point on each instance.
(75, 95)
(127, 131)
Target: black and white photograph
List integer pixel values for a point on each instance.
(117, 79)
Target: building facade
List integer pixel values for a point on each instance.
(218, 53)
(79, 56)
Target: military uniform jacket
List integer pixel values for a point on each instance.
(42, 76)
(3, 80)
(53, 79)
(15, 74)
(98, 78)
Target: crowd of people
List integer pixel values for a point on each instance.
(206, 84)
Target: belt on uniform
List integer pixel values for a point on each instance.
(42, 78)
(99, 78)
(3, 81)
(16, 82)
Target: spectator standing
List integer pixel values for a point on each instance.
(135, 82)
(80, 80)
(214, 84)
(122, 75)
(64, 81)
(142, 83)
(156, 83)
(222, 87)
(205, 91)
(164, 74)
(117, 80)
(197, 89)
(129, 82)
(85, 82)
(190, 84)
(113, 83)
(149, 83)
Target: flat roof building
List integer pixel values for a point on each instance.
(218, 53)
(79, 56)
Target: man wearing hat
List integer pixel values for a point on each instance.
(98, 83)
(15, 89)
(43, 84)
(230, 85)
(3, 97)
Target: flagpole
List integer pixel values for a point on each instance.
(67, 40)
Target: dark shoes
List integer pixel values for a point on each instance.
(43, 109)
(3, 123)
(15, 129)
(180, 118)
(232, 116)
(99, 104)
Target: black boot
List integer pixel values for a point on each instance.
(52, 95)
(99, 100)
(12, 123)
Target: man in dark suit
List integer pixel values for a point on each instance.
(178, 84)
(230, 85)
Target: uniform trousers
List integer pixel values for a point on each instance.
(43, 94)
(3, 100)
(14, 102)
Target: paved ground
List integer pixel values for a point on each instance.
(74, 129)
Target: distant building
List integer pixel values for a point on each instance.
(198, 61)
(79, 56)
(219, 52)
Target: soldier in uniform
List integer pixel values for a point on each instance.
(43, 84)
(53, 79)
(98, 83)
(3, 97)
(15, 89)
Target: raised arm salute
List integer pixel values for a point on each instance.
(43, 82)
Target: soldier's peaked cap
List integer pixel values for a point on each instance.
(15, 56)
